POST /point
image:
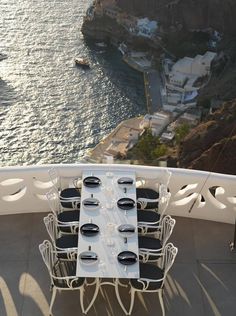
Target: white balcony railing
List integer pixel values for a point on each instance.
(195, 194)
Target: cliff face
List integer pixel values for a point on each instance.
(211, 145)
(104, 29)
(191, 14)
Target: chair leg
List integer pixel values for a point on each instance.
(118, 297)
(81, 294)
(94, 296)
(121, 284)
(160, 294)
(54, 292)
(132, 294)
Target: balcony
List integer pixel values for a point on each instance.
(201, 282)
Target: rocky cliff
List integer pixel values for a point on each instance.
(211, 145)
(190, 14)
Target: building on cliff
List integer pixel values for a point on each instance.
(198, 66)
(184, 78)
(136, 26)
(146, 28)
(156, 122)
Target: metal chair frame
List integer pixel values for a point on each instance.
(143, 202)
(170, 252)
(50, 259)
(51, 224)
(163, 179)
(167, 226)
(54, 200)
(56, 208)
(163, 204)
(55, 178)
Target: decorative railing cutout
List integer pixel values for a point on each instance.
(15, 196)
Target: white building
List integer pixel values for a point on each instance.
(167, 136)
(198, 66)
(177, 78)
(156, 122)
(181, 83)
(174, 98)
(146, 28)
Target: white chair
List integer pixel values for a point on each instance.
(62, 275)
(149, 221)
(147, 190)
(68, 220)
(151, 249)
(165, 177)
(66, 245)
(147, 198)
(152, 278)
(69, 197)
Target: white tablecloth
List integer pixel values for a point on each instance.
(108, 243)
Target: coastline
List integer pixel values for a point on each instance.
(109, 31)
(118, 135)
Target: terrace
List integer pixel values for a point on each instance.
(201, 281)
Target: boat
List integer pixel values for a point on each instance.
(82, 62)
(3, 56)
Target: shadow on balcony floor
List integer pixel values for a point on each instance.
(201, 282)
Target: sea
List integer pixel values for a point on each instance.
(50, 110)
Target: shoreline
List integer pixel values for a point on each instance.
(151, 79)
(152, 94)
(100, 150)
(101, 27)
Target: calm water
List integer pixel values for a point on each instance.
(51, 111)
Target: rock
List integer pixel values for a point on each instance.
(198, 14)
(212, 144)
(221, 157)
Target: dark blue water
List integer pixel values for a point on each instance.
(51, 111)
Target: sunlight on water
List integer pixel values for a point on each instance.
(51, 111)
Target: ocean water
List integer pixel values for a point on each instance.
(50, 110)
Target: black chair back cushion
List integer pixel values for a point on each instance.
(66, 269)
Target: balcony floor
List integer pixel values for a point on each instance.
(201, 282)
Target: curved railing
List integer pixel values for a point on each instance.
(196, 194)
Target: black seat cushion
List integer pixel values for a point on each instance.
(149, 206)
(69, 216)
(148, 271)
(150, 243)
(146, 193)
(67, 241)
(149, 217)
(69, 193)
(65, 269)
(66, 217)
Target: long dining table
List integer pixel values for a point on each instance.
(108, 233)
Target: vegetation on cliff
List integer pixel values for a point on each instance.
(148, 149)
(184, 27)
(211, 146)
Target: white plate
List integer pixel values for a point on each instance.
(85, 258)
